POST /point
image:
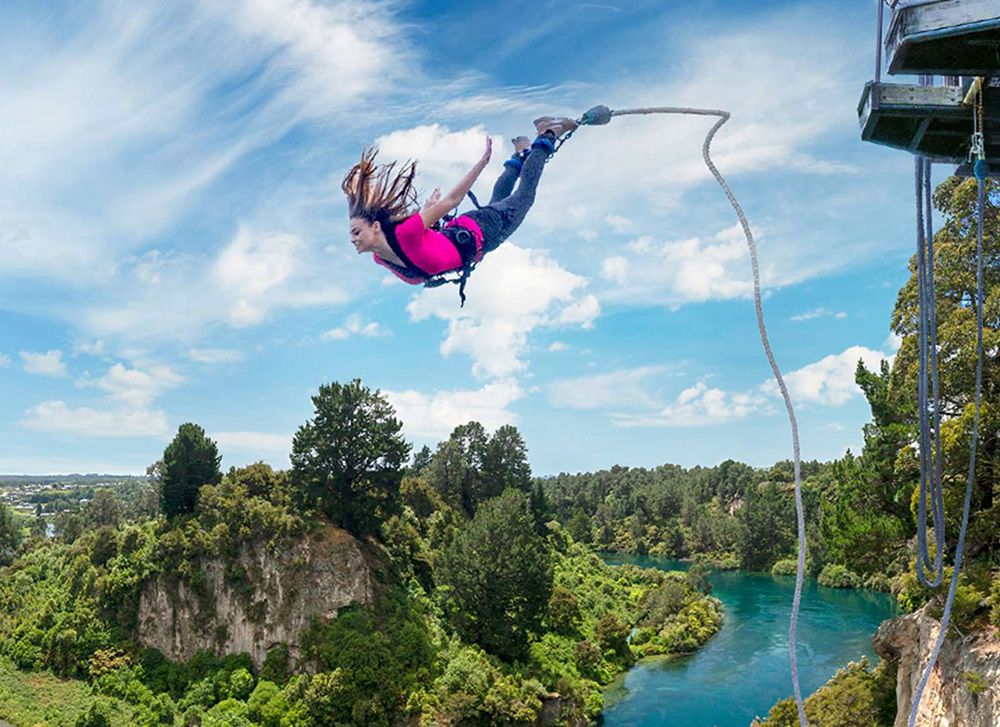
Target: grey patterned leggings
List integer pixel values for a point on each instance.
(506, 211)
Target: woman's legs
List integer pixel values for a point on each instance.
(505, 183)
(514, 208)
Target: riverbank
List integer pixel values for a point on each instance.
(747, 661)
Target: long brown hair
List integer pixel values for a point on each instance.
(378, 192)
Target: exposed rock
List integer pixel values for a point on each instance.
(256, 601)
(553, 708)
(964, 687)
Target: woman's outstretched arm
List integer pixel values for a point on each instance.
(435, 212)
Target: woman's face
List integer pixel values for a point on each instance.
(365, 235)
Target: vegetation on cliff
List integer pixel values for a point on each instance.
(485, 608)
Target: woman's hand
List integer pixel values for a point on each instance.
(488, 153)
(434, 198)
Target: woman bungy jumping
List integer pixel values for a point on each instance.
(412, 245)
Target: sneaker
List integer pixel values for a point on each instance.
(521, 144)
(558, 125)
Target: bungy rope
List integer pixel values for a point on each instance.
(960, 548)
(600, 115)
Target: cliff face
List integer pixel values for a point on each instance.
(256, 601)
(964, 687)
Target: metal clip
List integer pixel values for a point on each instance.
(977, 149)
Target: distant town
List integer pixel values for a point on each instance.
(45, 495)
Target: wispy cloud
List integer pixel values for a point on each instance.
(214, 355)
(57, 416)
(181, 297)
(160, 102)
(622, 388)
(355, 326)
(818, 313)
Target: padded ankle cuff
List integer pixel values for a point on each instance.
(545, 143)
(514, 162)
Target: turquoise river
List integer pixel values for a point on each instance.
(744, 669)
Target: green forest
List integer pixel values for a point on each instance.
(492, 604)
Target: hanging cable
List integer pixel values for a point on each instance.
(600, 115)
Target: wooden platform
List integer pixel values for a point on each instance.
(946, 37)
(927, 120)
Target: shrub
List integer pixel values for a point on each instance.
(275, 666)
(995, 601)
(878, 582)
(564, 611)
(100, 714)
(856, 695)
(975, 683)
(837, 576)
(786, 567)
(730, 562)
(267, 704)
(240, 684)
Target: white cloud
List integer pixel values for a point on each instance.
(558, 346)
(254, 442)
(623, 388)
(615, 269)
(355, 326)
(436, 415)
(582, 312)
(892, 342)
(682, 271)
(135, 388)
(818, 313)
(56, 416)
(442, 155)
(700, 406)
(4, 360)
(829, 381)
(47, 364)
(255, 270)
(513, 292)
(214, 355)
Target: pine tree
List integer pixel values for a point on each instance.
(190, 461)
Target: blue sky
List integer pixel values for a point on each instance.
(176, 248)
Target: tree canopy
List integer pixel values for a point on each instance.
(190, 461)
(348, 460)
(499, 571)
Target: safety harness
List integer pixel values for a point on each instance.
(460, 237)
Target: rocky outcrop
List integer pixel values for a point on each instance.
(964, 687)
(256, 600)
(562, 711)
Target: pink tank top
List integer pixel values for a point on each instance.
(430, 250)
